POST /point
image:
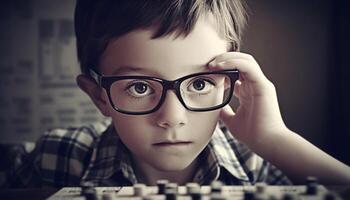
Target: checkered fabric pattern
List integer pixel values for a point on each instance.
(94, 153)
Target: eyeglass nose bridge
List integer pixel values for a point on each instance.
(172, 85)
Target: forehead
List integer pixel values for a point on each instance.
(167, 57)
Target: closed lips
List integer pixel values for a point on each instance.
(172, 143)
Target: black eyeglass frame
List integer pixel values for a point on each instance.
(106, 82)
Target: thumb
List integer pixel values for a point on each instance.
(227, 115)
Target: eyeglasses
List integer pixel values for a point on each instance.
(138, 95)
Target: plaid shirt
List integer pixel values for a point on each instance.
(94, 153)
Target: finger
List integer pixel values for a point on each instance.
(236, 90)
(227, 114)
(230, 55)
(249, 70)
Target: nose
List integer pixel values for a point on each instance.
(172, 114)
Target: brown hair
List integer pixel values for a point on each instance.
(98, 21)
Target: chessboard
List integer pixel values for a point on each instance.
(192, 191)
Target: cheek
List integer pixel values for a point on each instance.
(131, 130)
(127, 125)
(203, 124)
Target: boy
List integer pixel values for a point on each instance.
(164, 72)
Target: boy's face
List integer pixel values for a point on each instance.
(172, 137)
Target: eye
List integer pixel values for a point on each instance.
(139, 89)
(198, 84)
(201, 85)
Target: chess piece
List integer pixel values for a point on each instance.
(139, 189)
(216, 187)
(161, 185)
(311, 185)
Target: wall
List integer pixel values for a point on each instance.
(38, 65)
(302, 47)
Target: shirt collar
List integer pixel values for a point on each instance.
(217, 155)
(111, 156)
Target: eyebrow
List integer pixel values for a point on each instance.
(129, 68)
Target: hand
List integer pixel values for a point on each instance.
(258, 113)
(258, 123)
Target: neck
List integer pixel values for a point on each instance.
(149, 175)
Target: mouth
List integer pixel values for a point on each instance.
(172, 143)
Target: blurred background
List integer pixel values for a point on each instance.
(301, 46)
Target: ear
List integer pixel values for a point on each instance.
(95, 92)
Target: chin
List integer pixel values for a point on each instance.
(172, 164)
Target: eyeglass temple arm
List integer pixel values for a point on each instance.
(96, 76)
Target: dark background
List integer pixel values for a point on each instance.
(302, 47)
